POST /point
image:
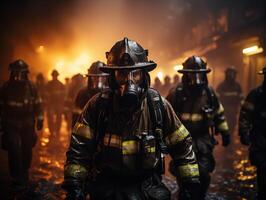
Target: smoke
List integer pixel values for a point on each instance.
(70, 35)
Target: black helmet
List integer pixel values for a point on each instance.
(94, 69)
(263, 71)
(231, 69)
(55, 73)
(19, 66)
(194, 64)
(127, 54)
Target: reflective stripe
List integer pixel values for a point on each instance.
(194, 117)
(180, 134)
(248, 105)
(82, 130)
(221, 109)
(189, 170)
(114, 141)
(230, 93)
(77, 110)
(130, 147)
(15, 104)
(75, 170)
(223, 126)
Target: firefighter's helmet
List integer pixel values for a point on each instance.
(127, 55)
(18, 66)
(194, 64)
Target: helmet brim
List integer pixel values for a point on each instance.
(105, 74)
(194, 70)
(147, 66)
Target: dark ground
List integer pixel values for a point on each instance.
(233, 178)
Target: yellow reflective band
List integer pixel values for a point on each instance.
(223, 126)
(185, 116)
(75, 170)
(114, 141)
(189, 170)
(130, 147)
(77, 110)
(82, 130)
(14, 103)
(180, 134)
(248, 105)
(221, 109)
(230, 94)
(194, 117)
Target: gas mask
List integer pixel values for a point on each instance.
(129, 85)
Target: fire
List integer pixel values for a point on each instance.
(68, 67)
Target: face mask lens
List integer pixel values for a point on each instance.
(99, 82)
(195, 78)
(122, 77)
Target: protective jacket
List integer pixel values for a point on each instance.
(252, 125)
(123, 146)
(82, 98)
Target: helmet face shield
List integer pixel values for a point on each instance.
(194, 79)
(19, 75)
(123, 77)
(98, 82)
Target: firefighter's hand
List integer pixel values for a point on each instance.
(226, 140)
(39, 125)
(244, 139)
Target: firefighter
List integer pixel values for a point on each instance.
(97, 81)
(77, 82)
(230, 93)
(252, 131)
(55, 94)
(116, 146)
(166, 86)
(20, 111)
(199, 109)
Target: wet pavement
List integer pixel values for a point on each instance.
(233, 177)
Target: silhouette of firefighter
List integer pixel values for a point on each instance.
(20, 112)
(55, 94)
(230, 93)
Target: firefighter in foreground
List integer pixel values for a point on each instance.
(97, 82)
(55, 94)
(116, 146)
(252, 131)
(198, 108)
(230, 93)
(20, 111)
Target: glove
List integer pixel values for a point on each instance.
(244, 139)
(39, 125)
(75, 195)
(226, 140)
